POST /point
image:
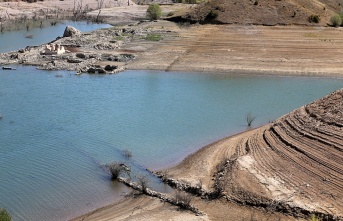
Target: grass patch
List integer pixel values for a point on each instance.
(153, 37)
(119, 38)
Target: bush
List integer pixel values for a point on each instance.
(249, 118)
(314, 218)
(341, 15)
(153, 37)
(154, 11)
(4, 215)
(116, 169)
(183, 200)
(212, 15)
(143, 181)
(336, 21)
(314, 18)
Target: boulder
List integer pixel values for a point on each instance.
(70, 31)
(111, 67)
(81, 55)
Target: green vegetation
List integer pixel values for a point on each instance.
(119, 38)
(170, 14)
(314, 18)
(4, 215)
(189, 1)
(336, 20)
(314, 218)
(154, 11)
(153, 37)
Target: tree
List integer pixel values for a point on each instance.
(154, 11)
(4, 215)
(336, 20)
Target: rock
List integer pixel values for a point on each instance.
(71, 31)
(96, 71)
(14, 56)
(110, 67)
(81, 55)
(74, 61)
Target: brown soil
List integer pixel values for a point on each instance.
(290, 50)
(296, 160)
(266, 12)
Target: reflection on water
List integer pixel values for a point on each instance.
(56, 133)
(14, 40)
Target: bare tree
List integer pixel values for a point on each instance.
(249, 118)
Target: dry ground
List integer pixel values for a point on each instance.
(295, 160)
(293, 50)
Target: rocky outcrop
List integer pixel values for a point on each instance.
(70, 31)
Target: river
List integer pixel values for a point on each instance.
(58, 129)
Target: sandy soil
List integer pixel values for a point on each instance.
(295, 160)
(291, 50)
(147, 208)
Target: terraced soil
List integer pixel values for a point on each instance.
(294, 164)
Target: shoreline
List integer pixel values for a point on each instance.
(236, 49)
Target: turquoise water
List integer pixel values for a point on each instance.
(56, 132)
(14, 40)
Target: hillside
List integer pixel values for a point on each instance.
(294, 164)
(265, 12)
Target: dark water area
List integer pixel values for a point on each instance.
(14, 40)
(56, 133)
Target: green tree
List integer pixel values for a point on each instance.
(4, 215)
(336, 20)
(154, 11)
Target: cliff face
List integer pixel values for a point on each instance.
(264, 12)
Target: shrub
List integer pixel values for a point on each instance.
(341, 15)
(143, 181)
(170, 14)
(183, 200)
(313, 217)
(336, 20)
(212, 15)
(249, 118)
(314, 18)
(4, 215)
(154, 11)
(153, 37)
(116, 169)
